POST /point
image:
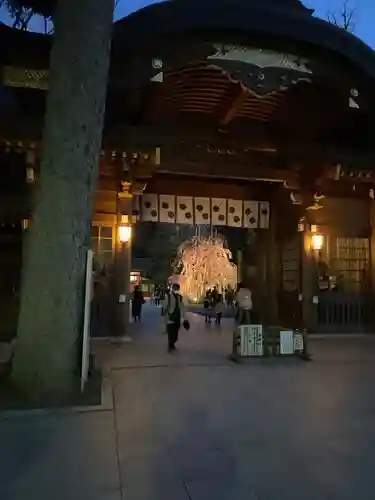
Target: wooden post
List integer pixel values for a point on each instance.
(308, 280)
(239, 265)
(372, 247)
(273, 268)
(123, 266)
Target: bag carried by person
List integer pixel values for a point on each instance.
(175, 315)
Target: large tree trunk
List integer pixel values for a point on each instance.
(50, 319)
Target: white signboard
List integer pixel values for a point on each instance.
(251, 340)
(298, 342)
(286, 342)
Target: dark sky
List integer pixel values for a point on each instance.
(365, 13)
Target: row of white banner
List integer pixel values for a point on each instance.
(195, 210)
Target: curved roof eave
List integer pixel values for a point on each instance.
(167, 18)
(23, 47)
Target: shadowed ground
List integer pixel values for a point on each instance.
(191, 425)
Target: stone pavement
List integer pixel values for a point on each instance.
(191, 425)
(199, 309)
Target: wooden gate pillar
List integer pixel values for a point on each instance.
(309, 279)
(265, 282)
(123, 262)
(273, 266)
(372, 245)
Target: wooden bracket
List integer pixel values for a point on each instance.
(234, 102)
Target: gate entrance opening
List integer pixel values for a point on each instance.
(256, 116)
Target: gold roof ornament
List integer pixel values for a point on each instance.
(26, 78)
(316, 202)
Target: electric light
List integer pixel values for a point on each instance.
(125, 233)
(317, 241)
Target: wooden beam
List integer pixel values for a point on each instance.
(153, 105)
(234, 101)
(255, 168)
(238, 138)
(199, 131)
(293, 177)
(190, 186)
(225, 171)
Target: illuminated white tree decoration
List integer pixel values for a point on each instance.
(203, 263)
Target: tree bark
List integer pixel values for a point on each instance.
(50, 322)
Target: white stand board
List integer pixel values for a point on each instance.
(298, 342)
(86, 321)
(251, 340)
(286, 342)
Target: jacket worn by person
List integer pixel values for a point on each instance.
(169, 308)
(243, 299)
(219, 308)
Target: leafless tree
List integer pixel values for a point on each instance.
(345, 18)
(22, 16)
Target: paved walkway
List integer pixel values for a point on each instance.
(193, 426)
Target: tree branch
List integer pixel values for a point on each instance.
(21, 15)
(24, 23)
(345, 19)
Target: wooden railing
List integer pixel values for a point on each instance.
(345, 312)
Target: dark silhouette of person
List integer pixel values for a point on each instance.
(137, 304)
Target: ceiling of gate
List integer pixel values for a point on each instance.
(203, 88)
(204, 95)
(207, 86)
(201, 97)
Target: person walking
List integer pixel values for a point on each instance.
(229, 296)
(174, 312)
(137, 304)
(244, 304)
(157, 296)
(207, 307)
(219, 309)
